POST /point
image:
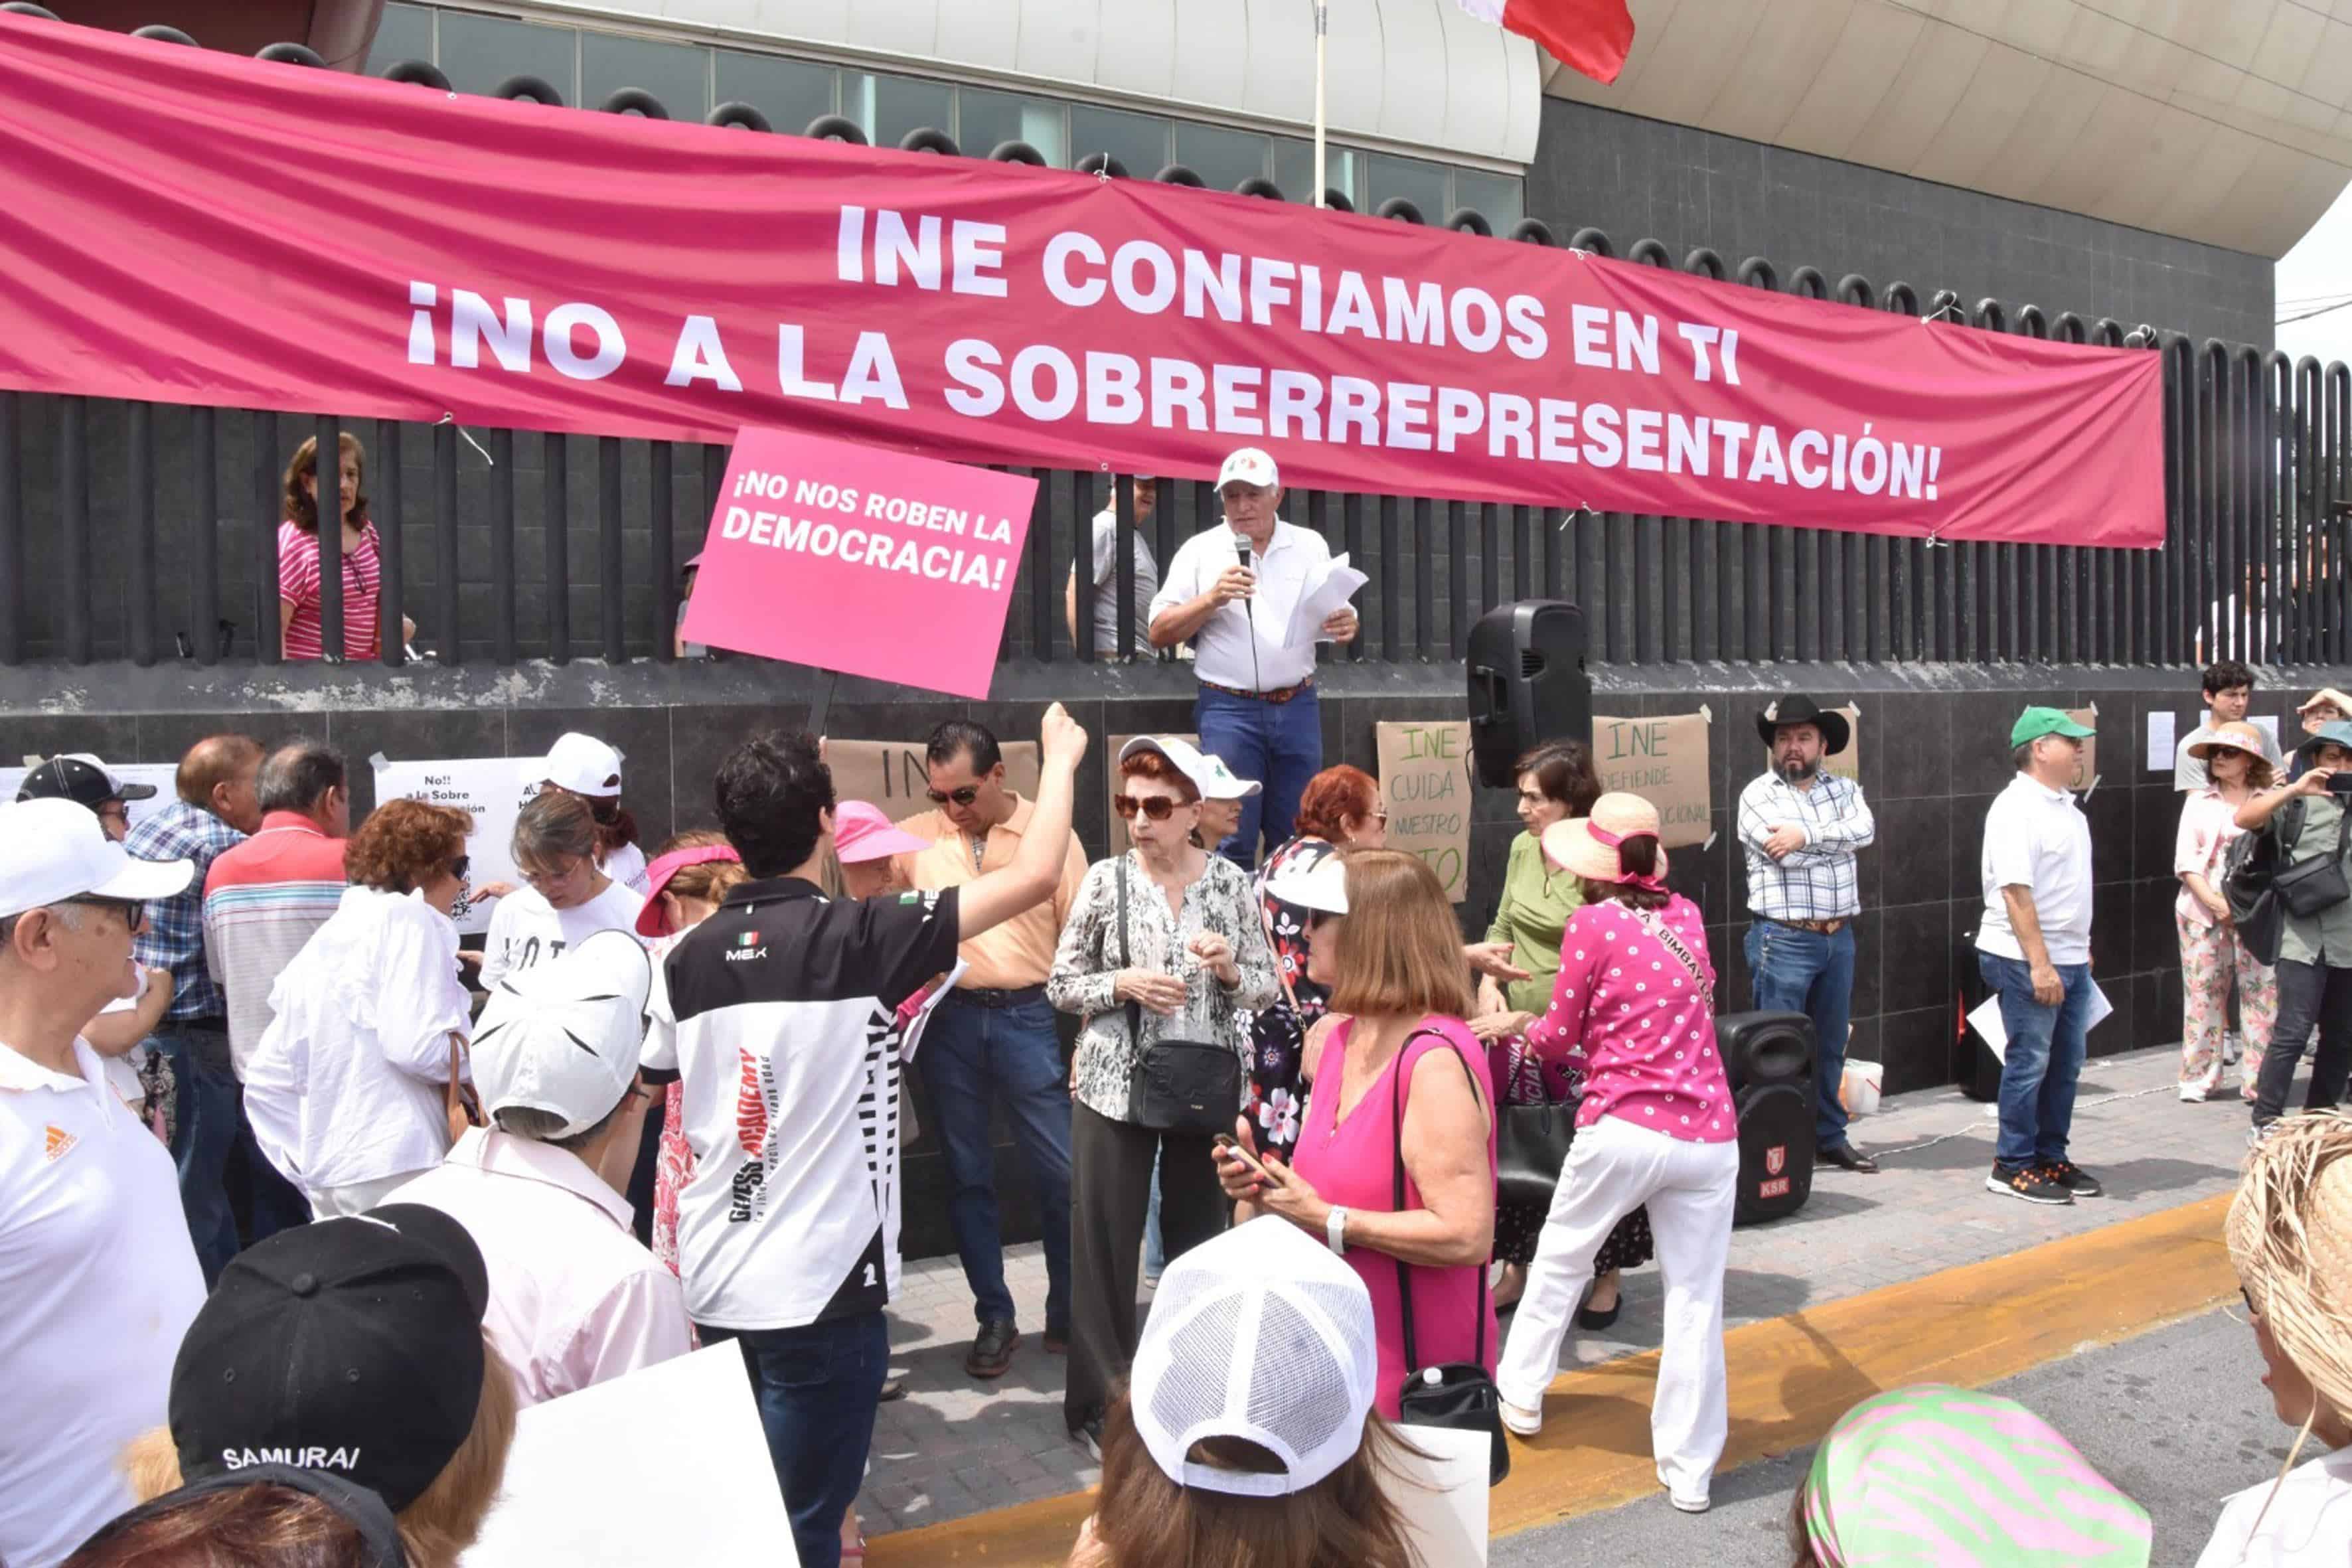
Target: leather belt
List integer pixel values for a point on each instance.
(1279, 695)
(1819, 928)
(994, 999)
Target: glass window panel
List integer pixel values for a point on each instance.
(479, 52)
(1422, 185)
(1501, 199)
(988, 120)
(791, 93)
(1293, 170)
(677, 74)
(1222, 158)
(906, 103)
(406, 33)
(1137, 140)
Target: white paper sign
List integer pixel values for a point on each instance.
(494, 789)
(1322, 599)
(668, 1465)
(1443, 1498)
(162, 775)
(2162, 743)
(2268, 724)
(1987, 1021)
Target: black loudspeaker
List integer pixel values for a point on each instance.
(1768, 1058)
(1527, 684)
(1973, 1066)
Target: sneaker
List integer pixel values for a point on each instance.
(1687, 1504)
(2027, 1182)
(2195, 1094)
(2233, 1046)
(1520, 1419)
(991, 1353)
(2073, 1177)
(1087, 1435)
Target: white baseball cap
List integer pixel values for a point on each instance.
(1188, 760)
(1259, 1334)
(1321, 887)
(584, 765)
(566, 1036)
(1251, 467)
(55, 850)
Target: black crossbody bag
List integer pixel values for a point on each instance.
(1459, 1396)
(2314, 883)
(1191, 1087)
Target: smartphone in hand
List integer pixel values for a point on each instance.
(1226, 1145)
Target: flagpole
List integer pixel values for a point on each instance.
(1322, 25)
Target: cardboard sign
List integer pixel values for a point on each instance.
(495, 789)
(871, 562)
(1664, 761)
(892, 776)
(162, 775)
(1847, 764)
(1425, 781)
(1118, 839)
(664, 1464)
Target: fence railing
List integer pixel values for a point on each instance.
(2258, 459)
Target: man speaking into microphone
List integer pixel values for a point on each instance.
(1231, 592)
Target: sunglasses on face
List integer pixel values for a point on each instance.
(961, 797)
(463, 864)
(1158, 807)
(134, 913)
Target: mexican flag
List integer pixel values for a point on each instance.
(1590, 36)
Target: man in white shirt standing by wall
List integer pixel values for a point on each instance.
(2034, 948)
(1231, 592)
(96, 1263)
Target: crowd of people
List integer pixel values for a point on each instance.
(664, 1104)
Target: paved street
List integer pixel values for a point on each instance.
(955, 1447)
(2176, 1418)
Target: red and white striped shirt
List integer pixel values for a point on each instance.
(298, 583)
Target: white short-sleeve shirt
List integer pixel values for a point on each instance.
(1295, 557)
(527, 930)
(2037, 837)
(101, 1283)
(2308, 1521)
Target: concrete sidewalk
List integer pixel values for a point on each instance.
(956, 1446)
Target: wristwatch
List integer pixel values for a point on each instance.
(1335, 1229)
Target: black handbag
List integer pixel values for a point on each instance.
(2248, 876)
(2315, 884)
(1459, 1396)
(1531, 1144)
(1190, 1087)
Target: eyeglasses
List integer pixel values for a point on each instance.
(1158, 807)
(1380, 819)
(964, 796)
(463, 864)
(132, 911)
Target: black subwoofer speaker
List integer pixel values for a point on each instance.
(1769, 1057)
(1527, 684)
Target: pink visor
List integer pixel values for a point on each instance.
(657, 875)
(861, 833)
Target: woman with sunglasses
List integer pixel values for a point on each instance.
(570, 899)
(348, 1089)
(1188, 961)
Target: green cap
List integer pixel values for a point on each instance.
(2036, 722)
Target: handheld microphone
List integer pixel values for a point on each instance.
(1242, 551)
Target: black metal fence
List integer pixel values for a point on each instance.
(2258, 455)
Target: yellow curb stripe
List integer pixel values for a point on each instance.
(1791, 1377)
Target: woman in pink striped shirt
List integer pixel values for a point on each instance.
(1634, 1006)
(298, 586)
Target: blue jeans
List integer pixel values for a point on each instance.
(1280, 744)
(2044, 1061)
(970, 1054)
(1793, 971)
(205, 1130)
(817, 1389)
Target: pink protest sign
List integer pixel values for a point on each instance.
(828, 553)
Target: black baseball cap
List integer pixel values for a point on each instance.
(80, 777)
(352, 1345)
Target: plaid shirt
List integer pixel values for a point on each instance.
(174, 937)
(1815, 881)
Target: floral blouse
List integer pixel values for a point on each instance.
(1220, 900)
(1277, 1090)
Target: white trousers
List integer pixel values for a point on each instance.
(1613, 1168)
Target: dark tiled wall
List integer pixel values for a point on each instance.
(1638, 178)
(1933, 753)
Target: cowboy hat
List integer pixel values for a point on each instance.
(1798, 708)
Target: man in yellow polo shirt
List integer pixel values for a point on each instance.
(993, 1035)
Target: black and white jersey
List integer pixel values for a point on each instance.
(779, 1015)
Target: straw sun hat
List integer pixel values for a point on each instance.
(2290, 1238)
(1585, 847)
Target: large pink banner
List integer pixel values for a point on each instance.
(187, 227)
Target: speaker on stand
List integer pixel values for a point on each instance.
(1768, 1058)
(1527, 684)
